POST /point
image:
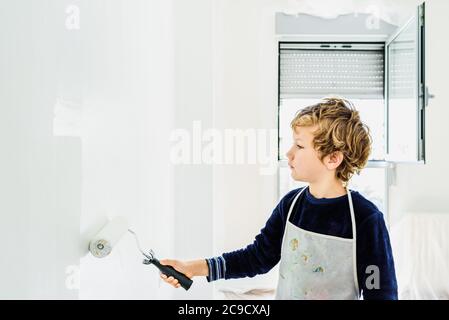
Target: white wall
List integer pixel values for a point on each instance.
(40, 186)
(192, 193)
(86, 116)
(245, 97)
(128, 109)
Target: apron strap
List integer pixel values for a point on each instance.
(354, 237)
(293, 203)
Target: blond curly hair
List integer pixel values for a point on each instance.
(339, 129)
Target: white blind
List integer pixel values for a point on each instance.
(312, 72)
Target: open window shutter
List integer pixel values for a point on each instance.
(405, 91)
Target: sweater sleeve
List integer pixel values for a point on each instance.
(376, 272)
(260, 256)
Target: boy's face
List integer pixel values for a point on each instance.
(303, 159)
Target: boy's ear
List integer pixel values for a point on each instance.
(333, 160)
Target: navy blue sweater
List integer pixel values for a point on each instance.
(330, 216)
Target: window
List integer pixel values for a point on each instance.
(405, 91)
(386, 82)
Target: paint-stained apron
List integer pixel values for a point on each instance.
(317, 266)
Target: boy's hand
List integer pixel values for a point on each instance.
(189, 268)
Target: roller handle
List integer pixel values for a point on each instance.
(184, 281)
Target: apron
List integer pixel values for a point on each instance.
(317, 266)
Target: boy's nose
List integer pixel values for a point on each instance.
(288, 154)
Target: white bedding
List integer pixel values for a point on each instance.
(420, 243)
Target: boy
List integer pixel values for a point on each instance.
(331, 242)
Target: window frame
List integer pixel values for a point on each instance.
(388, 164)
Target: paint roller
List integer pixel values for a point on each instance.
(101, 246)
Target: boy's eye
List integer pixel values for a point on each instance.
(299, 146)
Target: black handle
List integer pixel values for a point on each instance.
(184, 281)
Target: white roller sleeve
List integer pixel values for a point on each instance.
(101, 245)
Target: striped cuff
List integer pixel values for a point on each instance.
(217, 268)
